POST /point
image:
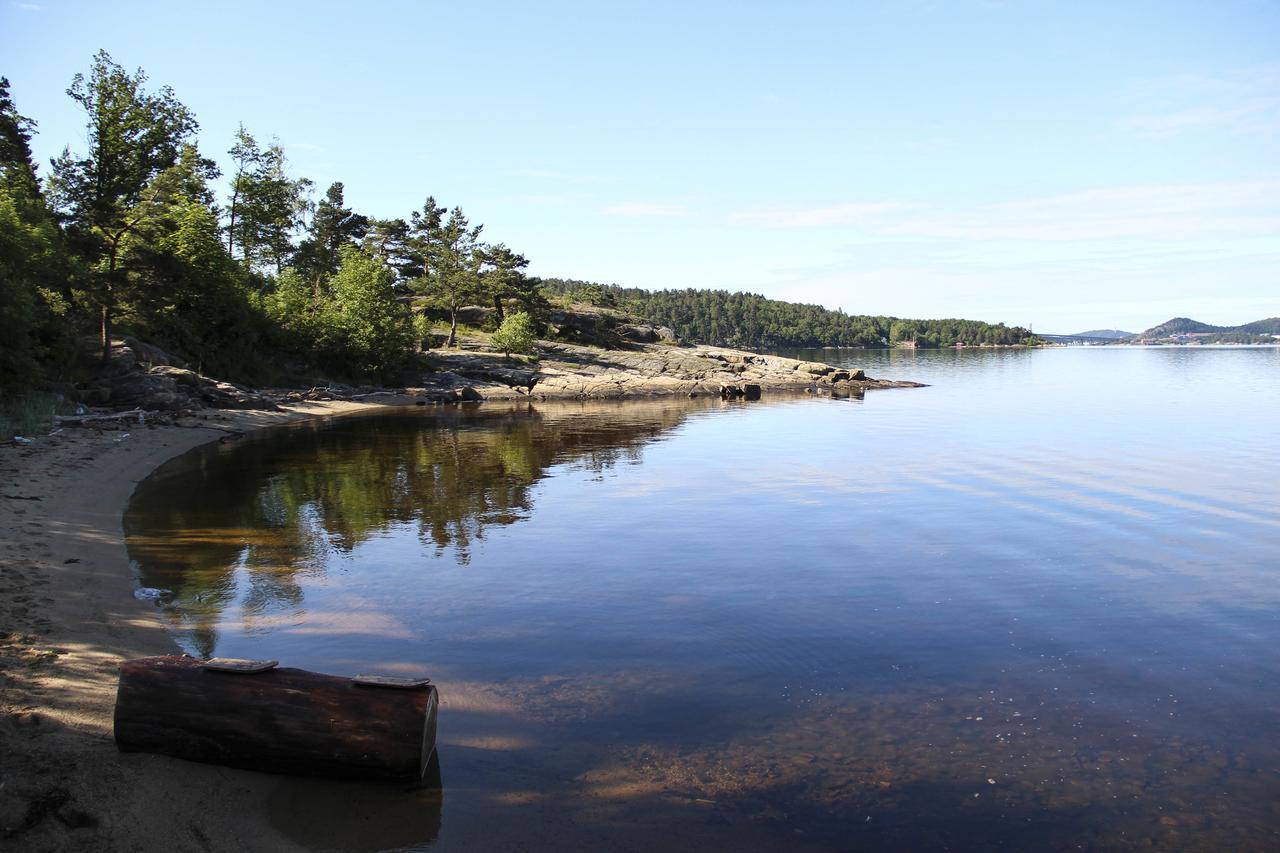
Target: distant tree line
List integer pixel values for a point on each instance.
(128, 236)
(721, 318)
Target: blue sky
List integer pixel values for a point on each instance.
(1071, 165)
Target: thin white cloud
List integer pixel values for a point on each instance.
(1232, 218)
(1244, 100)
(27, 7)
(852, 213)
(1233, 210)
(645, 208)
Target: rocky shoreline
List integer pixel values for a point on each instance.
(143, 378)
(568, 371)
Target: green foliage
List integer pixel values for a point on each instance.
(289, 305)
(33, 264)
(364, 319)
(334, 226)
(391, 241)
(722, 318)
(266, 205)
(452, 256)
(195, 306)
(110, 192)
(502, 276)
(131, 241)
(516, 334)
(17, 171)
(21, 243)
(31, 414)
(598, 295)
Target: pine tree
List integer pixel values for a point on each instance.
(34, 267)
(266, 205)
(452, 255)
(502, 277)
(333, 226)
(133, 136)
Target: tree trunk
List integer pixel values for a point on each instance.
(231, 223)
(497, 307)
(278, 721)
(108, 300)
(453, 326)
(106, 333)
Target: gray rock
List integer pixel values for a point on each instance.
(475, 315)
(188, 378)
(144, 391)
(465, 395)
(814, 368)
(641, 334)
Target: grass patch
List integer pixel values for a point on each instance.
(31, 414)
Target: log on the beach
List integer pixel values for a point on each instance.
(278, 720)
(133, 414)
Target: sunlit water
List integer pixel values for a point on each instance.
(1035, 605)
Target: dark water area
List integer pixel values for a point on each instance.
(1035, 605)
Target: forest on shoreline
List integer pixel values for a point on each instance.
(246, 276)
(751, 321)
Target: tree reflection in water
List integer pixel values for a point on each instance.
(274, 509)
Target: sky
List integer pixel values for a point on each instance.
(1065, 165)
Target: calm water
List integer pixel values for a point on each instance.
(1033, 606)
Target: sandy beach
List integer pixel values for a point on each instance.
(68, 616)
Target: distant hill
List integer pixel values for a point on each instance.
(1107, 334)
(1270, 326)
(1181, 326)
(1184, 330)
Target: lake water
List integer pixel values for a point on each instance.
(1035, 605)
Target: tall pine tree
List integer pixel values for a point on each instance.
(104, 194)
(333, 226)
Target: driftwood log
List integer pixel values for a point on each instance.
(133, 414)
(278, 720)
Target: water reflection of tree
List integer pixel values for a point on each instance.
(248, 524)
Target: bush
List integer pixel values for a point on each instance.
(515, 335)
(31, 414)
